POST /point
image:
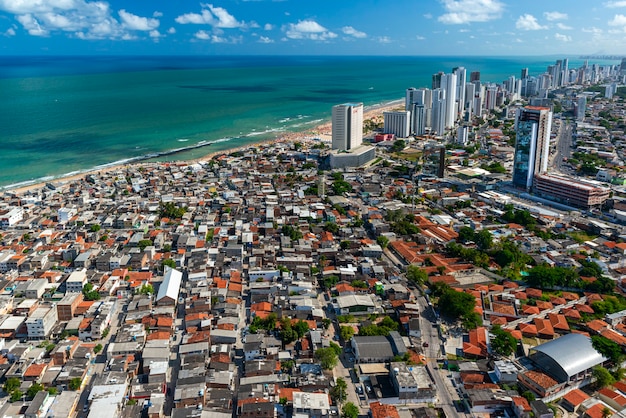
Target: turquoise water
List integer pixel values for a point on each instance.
(65, 114)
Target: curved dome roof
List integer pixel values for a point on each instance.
(567, 356)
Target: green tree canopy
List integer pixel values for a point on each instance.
(327, 357)
(349, 410)
(75, 383)
(608, 348)
(338, 393)
(34, 389)
(602, 376)
(503, 342)
(346, 332)
(416, 275)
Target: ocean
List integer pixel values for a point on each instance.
(62, 115)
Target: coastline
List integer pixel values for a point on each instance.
(322, 131)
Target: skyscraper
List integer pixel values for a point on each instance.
(347, 126)
(448, 84)
(461, 79)
(474, 76)
(532, 145)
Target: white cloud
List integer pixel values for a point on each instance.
(268, 26)
(308, 29)
(562, 38)
(135, 22)
(384, 39)
(31, 24)
(419, 38)
(265, 40)
(83, 19)
(155, 34)
(615, 4)
(592, 29)
(563, 27)
(466, 11)
(10, 32)
(428, 16)
(202, 34)
(555, 16)
(157, 14)
(349, 30)
(528, 22)
(618, 20)
(211, 15)
(171, 30)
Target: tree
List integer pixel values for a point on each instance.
(346, 333)
(283, 401)
(75, 383)
(89, 293)
(145, 289)
(466, 234)
(416, 275)
(169, 262)
(287, 333)
(602, 376)
(52, 391)
(97, 348)
(144, 243)
(34, 389)
(350, 411)
(606, 412)
(608, 348)
(170, 210)
(483, 239)
(94, 228)
(301, 328)
(339, 392)
(383, 241)
(12, 384)
(456, 304)
(529, 396)
(16, 395)
(326, 323)
(327, 357)
(286, 366)
(398, 145)
(503, 342)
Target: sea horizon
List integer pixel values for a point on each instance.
(69, 114)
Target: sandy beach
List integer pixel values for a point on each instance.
(322, 131)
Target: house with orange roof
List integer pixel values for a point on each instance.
(538, 382)
(573, 399)
(379, 410)
(544, 328)
(530, 310)
(527, 330)
(597, 325)
(615, 400)
(475, 344)
(534, 293)
(598, 411)
(559, 322)
(521, 406)
(35, 372)
(614, 336)
(544, 306)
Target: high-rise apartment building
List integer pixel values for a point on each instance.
(347, 126)
(448, 84)
(398, 123)
(532, 145)
(581, 107)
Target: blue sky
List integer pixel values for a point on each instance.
(364, 27)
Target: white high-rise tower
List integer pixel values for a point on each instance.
(448, 84)
(347, 126)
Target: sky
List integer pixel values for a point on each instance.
(320, 27)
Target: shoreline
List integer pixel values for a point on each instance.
(324, 129)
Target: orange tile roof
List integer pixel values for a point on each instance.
(597, 325)
(576, 397)
(530, 310)
(614, 396)
(522, 402)
(544, 327)
(380, 410)
(35, 370)
(614, 336)
(498, 320)
(235, 287)
(558, 321)
(159, 335)
(597, 411)
(540, 379)
(544, 306)
(528, 329)
(287, 393)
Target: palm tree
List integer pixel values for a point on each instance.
(606, 412)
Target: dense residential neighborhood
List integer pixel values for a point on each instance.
(261, 283)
